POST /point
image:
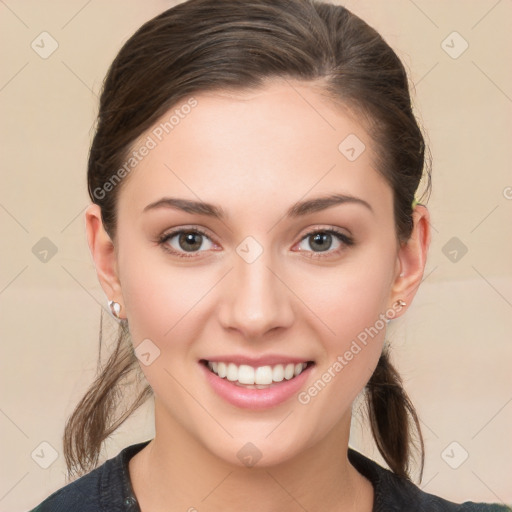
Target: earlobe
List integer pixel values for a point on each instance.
(412, 257)
(103, 253)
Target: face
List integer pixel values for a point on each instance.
(262, 282)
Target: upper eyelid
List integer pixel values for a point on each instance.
(203, 231)
(173, 232)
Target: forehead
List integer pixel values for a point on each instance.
(283, 140)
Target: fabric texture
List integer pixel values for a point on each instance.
(108, 489)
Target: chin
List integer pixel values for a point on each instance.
(258, 451)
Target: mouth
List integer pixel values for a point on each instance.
(256, 377)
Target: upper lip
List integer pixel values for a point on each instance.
(268, 360)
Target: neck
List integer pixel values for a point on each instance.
(175, 472)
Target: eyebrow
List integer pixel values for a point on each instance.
(299, 209)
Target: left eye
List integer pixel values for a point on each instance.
(321, 241)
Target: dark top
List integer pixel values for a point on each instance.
(108, 489)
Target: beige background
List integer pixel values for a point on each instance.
(453, 346)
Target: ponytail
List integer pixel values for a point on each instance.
(96, 416)
(390, 412)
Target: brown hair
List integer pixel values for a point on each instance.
(202, 45)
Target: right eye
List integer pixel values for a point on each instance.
(182, 241)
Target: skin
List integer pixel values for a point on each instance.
(256, 153)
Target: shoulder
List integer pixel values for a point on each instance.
(105, 489)
(82, 495)
(396, 494)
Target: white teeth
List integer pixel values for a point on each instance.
(263, 375)
(232, 372)
(278, 373)
(260, 376)
(245, 374)
(289, 371)
(221, 369)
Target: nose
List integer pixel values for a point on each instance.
(257, 299)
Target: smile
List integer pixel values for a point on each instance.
(260, 377)
(239, 386)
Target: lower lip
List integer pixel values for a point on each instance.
(248, 398)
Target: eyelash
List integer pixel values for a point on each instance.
(342, 237)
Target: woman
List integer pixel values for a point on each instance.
(254, 228)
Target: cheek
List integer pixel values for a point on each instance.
(351, 355)
(165, 304)
(349, 305)
(348, 300)
(160, 297)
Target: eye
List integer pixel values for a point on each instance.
(321, 241)
(183, 241)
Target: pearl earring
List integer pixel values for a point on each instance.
(115, 308)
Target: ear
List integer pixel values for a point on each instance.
(103, 253)
(412, 257)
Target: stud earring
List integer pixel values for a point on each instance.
(398, 304)
(115, 308)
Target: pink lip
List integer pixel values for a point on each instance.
(255, 399)
(269, 360)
